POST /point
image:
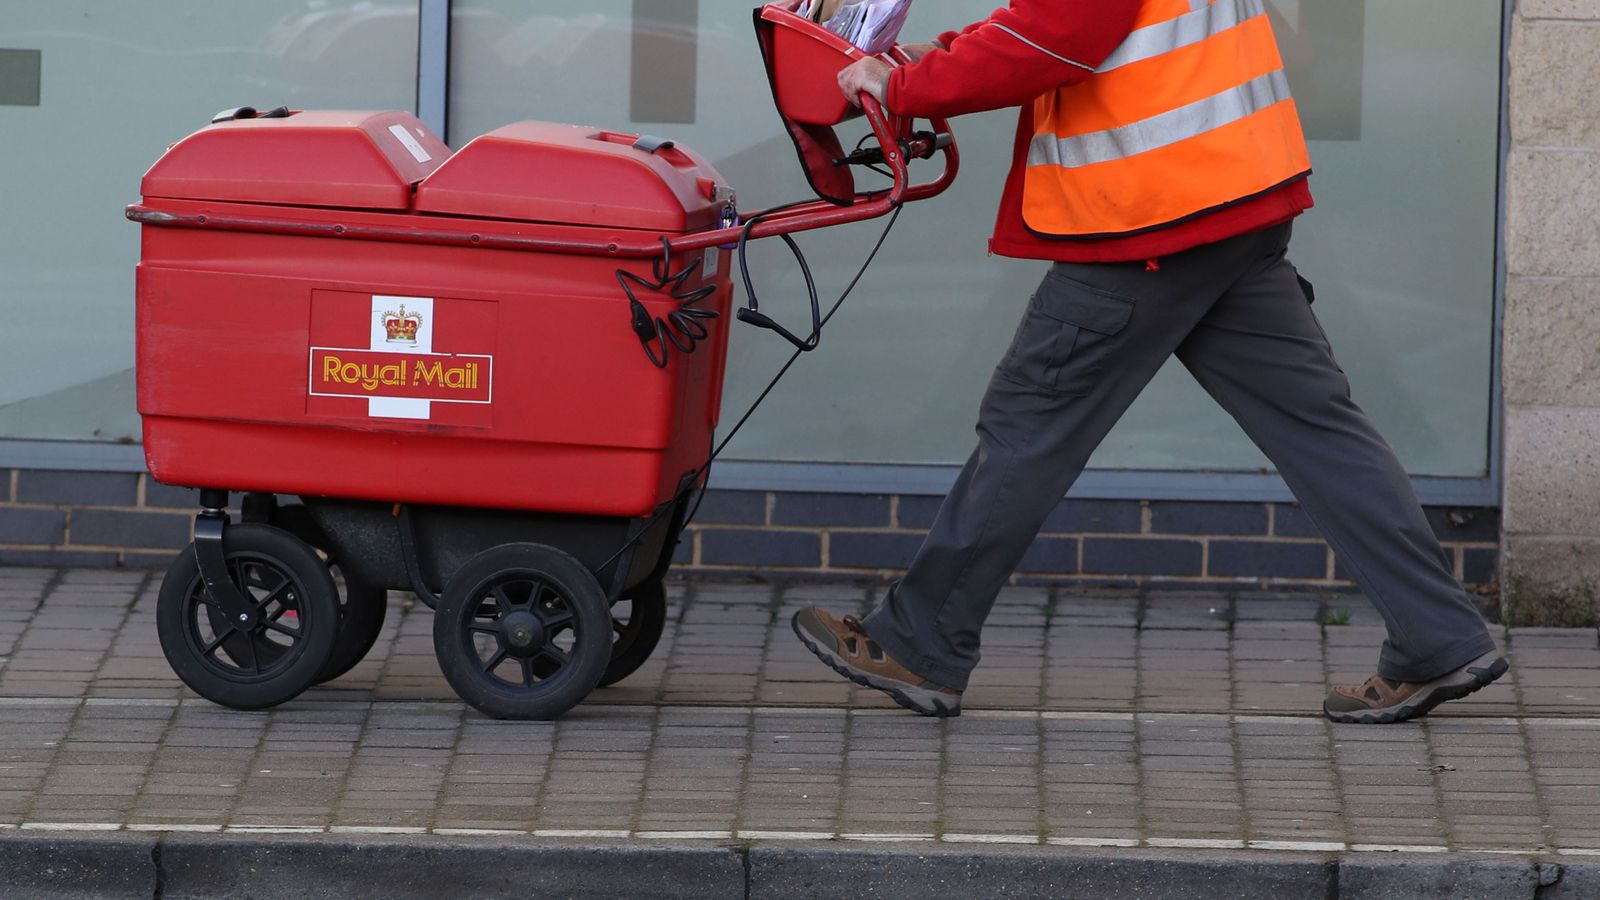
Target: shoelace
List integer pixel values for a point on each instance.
(874, 652)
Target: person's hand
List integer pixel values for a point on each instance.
(869, 75)
(915, 52)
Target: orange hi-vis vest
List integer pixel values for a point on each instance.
(1189, 115)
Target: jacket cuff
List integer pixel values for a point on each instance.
(891, 93)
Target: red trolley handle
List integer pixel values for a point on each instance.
(897, 154)
(894, 152)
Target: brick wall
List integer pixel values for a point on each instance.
(105, 519)
(91, 519)
(853, 536)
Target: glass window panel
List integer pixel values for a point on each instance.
(1400, 97)
(118, 83)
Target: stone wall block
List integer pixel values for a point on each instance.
(1552, 342)
(1559, 9)
(1553, 203)
(1555, 66)
(1553, 472)
(1550, 581)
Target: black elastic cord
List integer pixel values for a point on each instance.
(793, 357)
(751, 313)
(681, 328)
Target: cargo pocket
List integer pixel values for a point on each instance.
(1310, 293)
(1066, 336)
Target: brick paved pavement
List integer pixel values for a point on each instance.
(1168, 720)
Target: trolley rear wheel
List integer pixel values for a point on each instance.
(362, 607)
(638, 633)
(272, 661)
(523, 631)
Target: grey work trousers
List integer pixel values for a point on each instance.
(1239, 317)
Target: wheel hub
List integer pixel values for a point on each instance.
(522, 633)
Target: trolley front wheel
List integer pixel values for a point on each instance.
(282, 651)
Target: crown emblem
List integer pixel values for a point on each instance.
(401, 326)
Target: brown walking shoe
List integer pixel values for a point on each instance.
(1381, 702)
(845, 647)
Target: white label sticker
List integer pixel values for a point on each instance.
(404, 136)
(713, 260)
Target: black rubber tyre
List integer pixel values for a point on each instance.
(362, 607)
(638, 634)
(279, 573)
(523, 631)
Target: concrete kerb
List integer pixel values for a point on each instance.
(309, 867)
(68, 867)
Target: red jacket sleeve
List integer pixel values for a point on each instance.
(1017, 54)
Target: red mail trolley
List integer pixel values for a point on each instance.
(490, 377)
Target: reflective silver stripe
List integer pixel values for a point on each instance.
(1189, 28)
(1159, 131)
(1198, 4)
(1070, 62)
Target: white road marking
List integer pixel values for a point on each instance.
(1305, 846)
(1092, 842)
(1196, 843)
(315, 704)
(990, 839)
(763, 835)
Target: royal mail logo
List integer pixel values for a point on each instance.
(448, 378)
(399, 372)
(400, 326)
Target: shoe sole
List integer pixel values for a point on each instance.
(1425, 700)
(921, 701)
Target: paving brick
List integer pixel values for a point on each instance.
(1267, 559)
(1095, 517)
(22, 525)
(829, 510)
(77, 488)
(732, 508)
(1171, 517)
(872, 550)
(1182, 735)
(751, 547)
(119, 528)
(1141, 556)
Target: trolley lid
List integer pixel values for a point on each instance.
(338, 158)
(577, 175)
